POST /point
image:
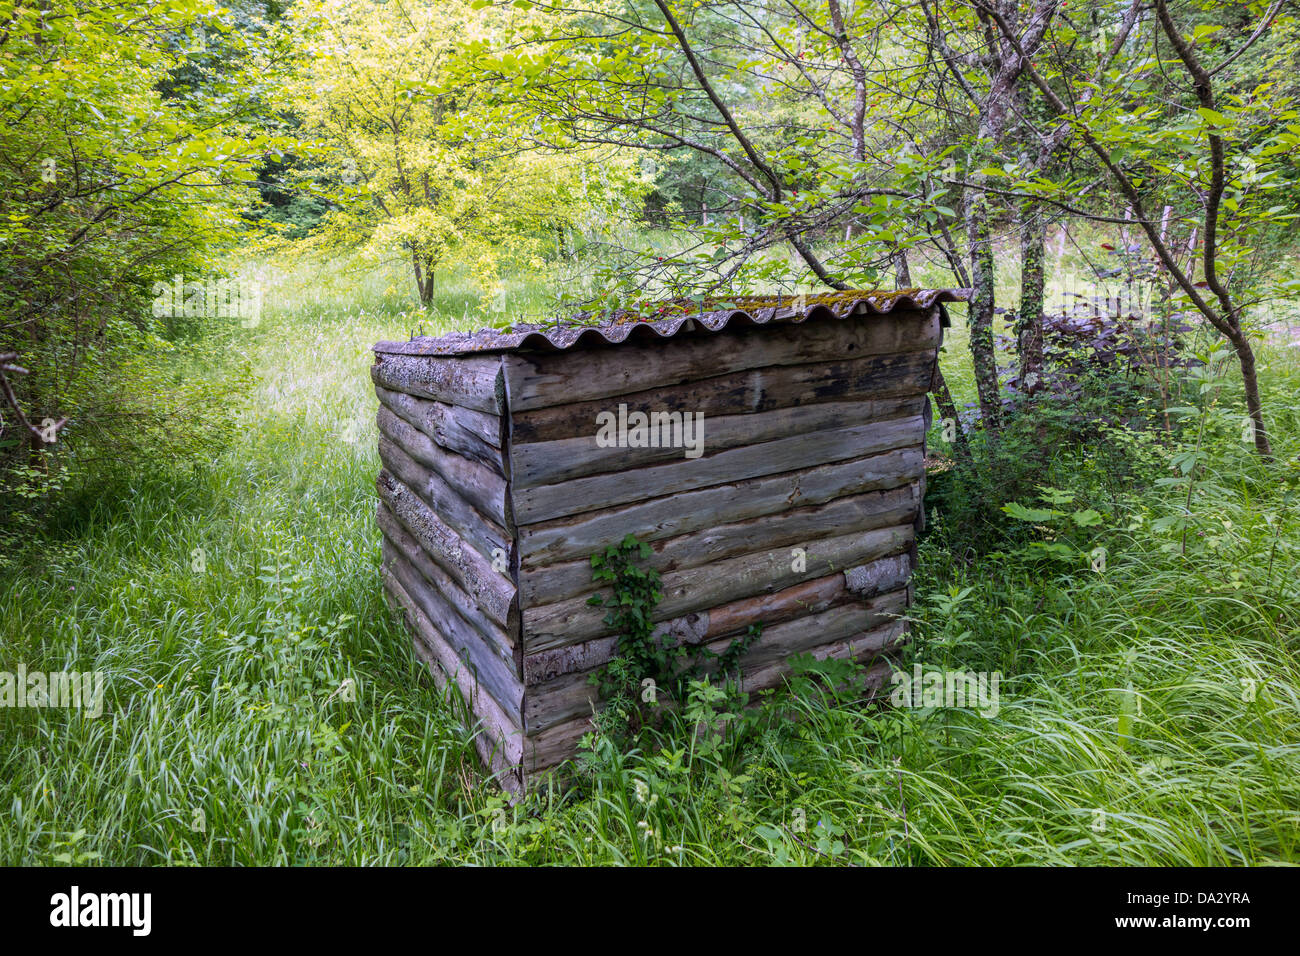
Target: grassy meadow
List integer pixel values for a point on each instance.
(263, 707)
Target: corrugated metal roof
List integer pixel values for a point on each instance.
(683, 314)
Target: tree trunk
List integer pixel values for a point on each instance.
(1250, 379)
(948, 409)
(1029, 328)
(424, 272)
(980, 310)
(902, 274)
(419, 275)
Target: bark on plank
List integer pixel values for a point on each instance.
(572, 658)
(876, 509)
(475, 483)
(471, 434)
(492, 590)
(582, 535)
(879, 576)
(548, 462)
(573, 620)
(471, 381)
(795, 454)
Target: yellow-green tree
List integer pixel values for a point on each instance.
(423, 161)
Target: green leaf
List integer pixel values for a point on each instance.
(1087, 518)
(1212, 117)
(1036, 515)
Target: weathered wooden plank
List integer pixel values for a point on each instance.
(782, 641)
(502, 746)
(875, 509)
(881, 640)
(535, 380)
(480, 532)
(506, 768)
(543, 463)
(471, 434)
(569, 695)
(553, 735)
(796, 453)
(856, 584)
(580, 536)
(553, 746)
(886, 381)
(472, 481)
(492, 590)
(872, 647)
(573, 620)
(734, 618)
(495, 675)
(810, 597)
(927, 415)
(559, 701)
(546, 665)
(505, 642)
(471, 381)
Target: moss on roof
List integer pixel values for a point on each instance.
(676, 308)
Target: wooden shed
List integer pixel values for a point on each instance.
(510, 458)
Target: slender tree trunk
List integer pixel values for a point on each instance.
(902, 274)
(1250, 380)
(1029, 328)
(426, 291)
(419, 275)
(948, 409)
(980, 310)
(424, 275)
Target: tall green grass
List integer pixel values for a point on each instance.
(267, 709)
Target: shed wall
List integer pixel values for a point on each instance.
(444, 511)
(813, 438)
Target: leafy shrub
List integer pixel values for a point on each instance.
(647, 661)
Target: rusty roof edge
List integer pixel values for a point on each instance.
(568, 336)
